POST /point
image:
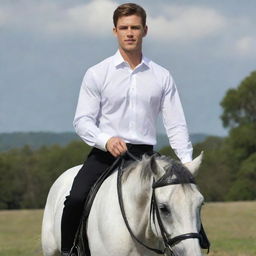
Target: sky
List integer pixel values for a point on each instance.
(46, 46)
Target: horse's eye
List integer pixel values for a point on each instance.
(164, 209)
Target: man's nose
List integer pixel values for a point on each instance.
(129, 32)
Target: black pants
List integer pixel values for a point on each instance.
(97, 162)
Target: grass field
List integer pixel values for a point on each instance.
(231, 227)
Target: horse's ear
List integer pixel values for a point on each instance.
(151, 168)
(195, 164)
(154, 166)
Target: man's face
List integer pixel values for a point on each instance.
(129, 32)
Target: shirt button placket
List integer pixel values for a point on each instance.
(133, 105)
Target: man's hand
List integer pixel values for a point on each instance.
(116, 146)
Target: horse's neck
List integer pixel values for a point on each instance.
(137, 189)
(137, 197)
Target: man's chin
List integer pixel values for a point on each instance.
(130, 49)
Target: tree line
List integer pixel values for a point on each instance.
(228, 171)
(26, 175)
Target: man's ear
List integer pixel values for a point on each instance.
(114, 31)
(145, 30)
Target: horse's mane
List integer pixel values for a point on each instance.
(158, 166)
(177, 169)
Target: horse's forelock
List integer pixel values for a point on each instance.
(174, 168)
(181, 173)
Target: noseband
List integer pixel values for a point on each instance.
(165, 180)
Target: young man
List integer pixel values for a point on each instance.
(119, 101)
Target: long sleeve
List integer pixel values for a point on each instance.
(175, 123)
(87, 111)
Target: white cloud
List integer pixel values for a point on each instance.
(4, 16)
(94, 18)
(176, 23)
(246, 46)
(186, 23)
(27, 14)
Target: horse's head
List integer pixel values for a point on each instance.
(176, 204)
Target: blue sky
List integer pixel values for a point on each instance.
(46, 47)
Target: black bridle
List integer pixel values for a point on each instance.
(168, 242)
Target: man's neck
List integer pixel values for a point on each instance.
(132, 58)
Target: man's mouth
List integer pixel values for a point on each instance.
(130, 41)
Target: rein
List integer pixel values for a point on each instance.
(120, 199)
(168, 243)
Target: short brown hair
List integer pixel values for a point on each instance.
(127, 10)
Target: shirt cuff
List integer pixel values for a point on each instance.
(101, 141)
(186, 159)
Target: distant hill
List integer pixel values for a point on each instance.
(37, 139)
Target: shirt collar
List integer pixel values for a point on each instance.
(118, 59)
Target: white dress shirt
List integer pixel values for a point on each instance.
(115, 100)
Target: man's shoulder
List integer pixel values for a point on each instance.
(159, 69)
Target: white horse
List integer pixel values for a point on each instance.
(178, 206)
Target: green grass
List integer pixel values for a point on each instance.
(231, 228)
(20, 233)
